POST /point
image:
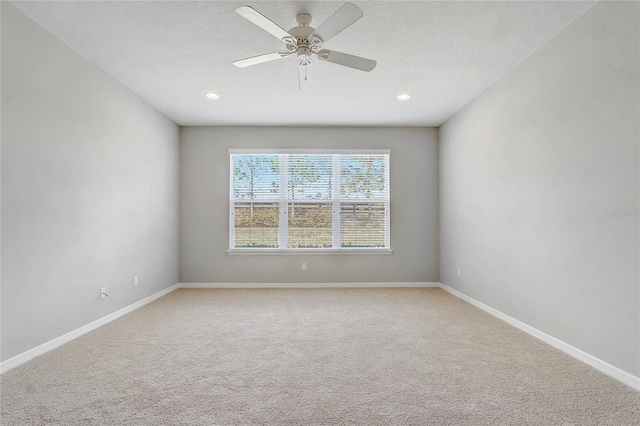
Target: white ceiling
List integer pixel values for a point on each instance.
(443, 53)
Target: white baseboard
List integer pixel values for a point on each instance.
(59, 341)
(310, 285)
(600, 365)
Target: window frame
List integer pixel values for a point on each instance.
(333, 201)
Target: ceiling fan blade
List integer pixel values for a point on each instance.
(262, 21)
(341, 19)
(255, 60)
(347, 60)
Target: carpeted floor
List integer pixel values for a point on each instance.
(311, 357)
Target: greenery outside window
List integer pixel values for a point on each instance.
(309, 201)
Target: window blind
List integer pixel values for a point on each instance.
(309, 200)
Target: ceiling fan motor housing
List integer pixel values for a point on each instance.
(300, 44)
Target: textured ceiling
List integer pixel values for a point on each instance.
(170, 53)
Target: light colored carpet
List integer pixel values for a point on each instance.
(311, 357)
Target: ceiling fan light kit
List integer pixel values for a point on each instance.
(306, 42)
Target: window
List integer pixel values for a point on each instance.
(301, 201)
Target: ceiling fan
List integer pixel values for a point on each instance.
(306, 42)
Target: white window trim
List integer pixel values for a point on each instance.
(282, 237)
(307, 251)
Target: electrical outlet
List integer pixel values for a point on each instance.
(459, 275)
(103, 293)
(304, 266)
(135, 281)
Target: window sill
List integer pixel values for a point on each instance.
(279, 252)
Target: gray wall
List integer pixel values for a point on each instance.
(89, 190)
(204, 215)
(529, 172)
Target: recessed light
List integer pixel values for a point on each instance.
(212, 95)
(403, 97)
